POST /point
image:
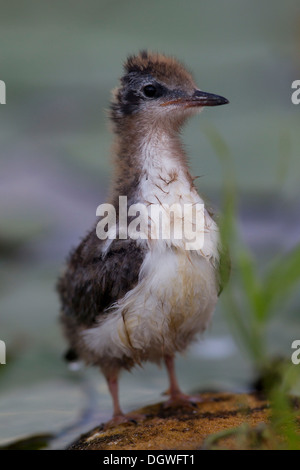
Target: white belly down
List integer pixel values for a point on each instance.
(172, 302)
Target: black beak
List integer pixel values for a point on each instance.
(201, 98)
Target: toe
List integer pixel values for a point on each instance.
(182, 401)
(128, 419)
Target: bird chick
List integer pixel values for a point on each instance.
(129, 300)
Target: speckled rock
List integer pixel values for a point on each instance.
(221, 420)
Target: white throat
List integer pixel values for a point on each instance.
(166, 181)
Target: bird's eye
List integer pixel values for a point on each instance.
(149, 91)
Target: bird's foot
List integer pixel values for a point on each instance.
(181, 400)
(130, 418)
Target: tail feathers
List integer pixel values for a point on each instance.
(73, 360)
(71, 355)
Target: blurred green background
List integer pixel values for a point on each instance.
(59, 61)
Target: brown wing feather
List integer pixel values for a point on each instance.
(91, 282)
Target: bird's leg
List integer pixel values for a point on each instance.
(177, 397)
(118, 416)
(113, 387)
(174, 389)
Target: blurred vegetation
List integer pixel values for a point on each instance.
(251, 300)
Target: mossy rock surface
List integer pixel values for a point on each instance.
(190, 428)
